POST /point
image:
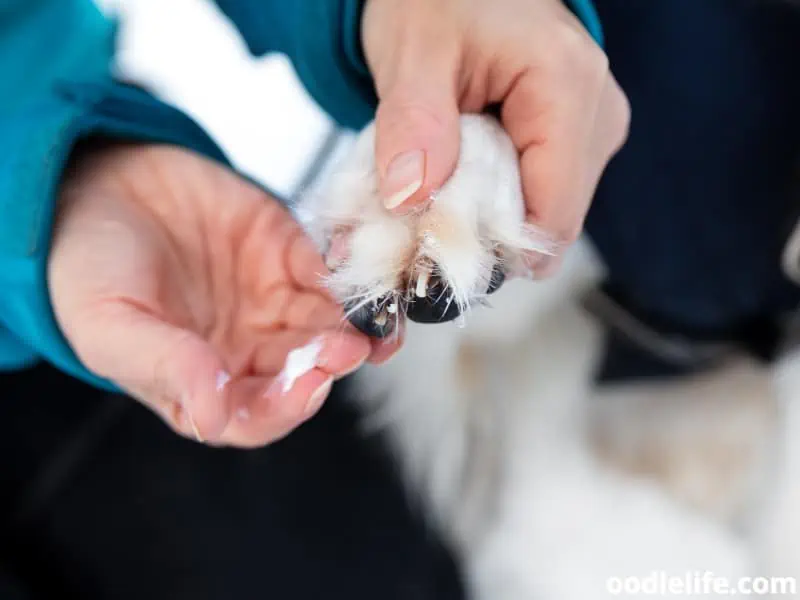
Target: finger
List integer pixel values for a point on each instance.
(305, 264)
(266, 412)
(164, 366)
(298, 259)
(534, 265)
(312, 309)
(268, 408)
(338, 353)
(384, 349)
(294, 310)
(565, 130)
(554, 161)
(417, 133)
(612, 126)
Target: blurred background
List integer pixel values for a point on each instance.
(256, 109)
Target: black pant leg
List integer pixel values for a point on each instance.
(142, 513)
(692, 215)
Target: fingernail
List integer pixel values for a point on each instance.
(185, 406)
(222, 380)
(193, 425)
(318, 397)
(403, 177)
(190, 419)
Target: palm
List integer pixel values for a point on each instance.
(169, 237)
(239, 272)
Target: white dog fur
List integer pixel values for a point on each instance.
(546, 487)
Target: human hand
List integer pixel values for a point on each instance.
(560, 104)
(187, 286)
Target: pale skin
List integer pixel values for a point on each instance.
(561, 105)
(187, 286)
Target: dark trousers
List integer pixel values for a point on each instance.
(100, 500)
(692, 215)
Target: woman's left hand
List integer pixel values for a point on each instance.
(187, 286)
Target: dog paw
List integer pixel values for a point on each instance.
(441, 260)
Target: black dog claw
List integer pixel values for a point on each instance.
(497, 280)
(376, 320)
(436, 307)
(372, 319)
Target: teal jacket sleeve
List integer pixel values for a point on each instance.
(55, 73)
(322, 38)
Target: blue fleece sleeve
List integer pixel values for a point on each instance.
(55, 60)
(322, 38)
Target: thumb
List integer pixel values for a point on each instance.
(417, 133)
(172, 370)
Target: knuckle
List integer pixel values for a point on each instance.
(570, 235)
(571, 51)
(403, 125)
(563, 230)
(595, 59)
(618, 115)
(623, 114)
(406, 114)
(565, 225)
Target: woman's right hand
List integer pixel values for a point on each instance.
(561, 105)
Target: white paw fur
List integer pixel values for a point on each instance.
(474, 222)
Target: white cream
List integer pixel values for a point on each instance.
(299, 362)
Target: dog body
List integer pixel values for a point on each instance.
(545, 487)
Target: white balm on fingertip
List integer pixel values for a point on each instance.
(299, 362)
